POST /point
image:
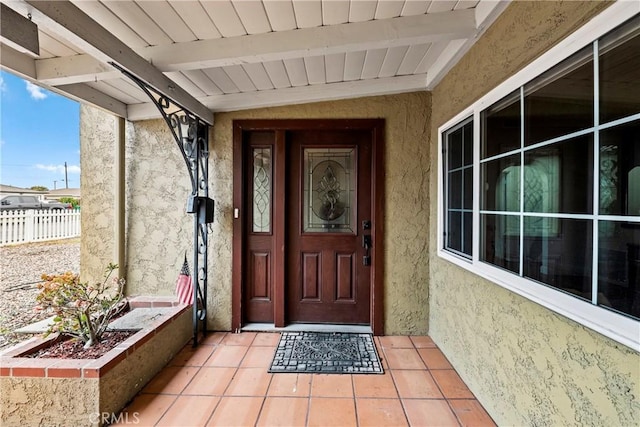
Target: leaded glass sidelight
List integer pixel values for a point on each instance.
(329, 190)
(262, 173)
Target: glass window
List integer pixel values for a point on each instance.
(559, 188)
(501, 126)
(11, 200)
(458, 146)
(619, 266)
(620, 72)
(620, 170)
(501, 184)
(532, 194)
(559, 177)
(500, 244)
(559, 254)
(560, 101)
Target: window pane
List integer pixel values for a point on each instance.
(467, 239)
(560, 254)
(468, 188)
(559, 177)
(454, 234)
(620, 170)
(560, 101)
(500, 244)
(620, 73)
(454, 149)
(468, 144)
(329, 190)
(501, 126)
(501, 184)
(619, 266)
(262, 190)
(455, 190)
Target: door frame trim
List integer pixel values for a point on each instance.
(279, 126)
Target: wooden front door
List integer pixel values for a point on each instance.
(329, 216)
(308, 222)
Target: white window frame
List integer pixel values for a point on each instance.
(618, 327)
(445, 170)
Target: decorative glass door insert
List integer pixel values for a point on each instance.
(329, 190)
(262, 190)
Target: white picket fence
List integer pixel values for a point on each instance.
(22, 226)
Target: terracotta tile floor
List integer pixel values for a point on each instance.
(224, 382)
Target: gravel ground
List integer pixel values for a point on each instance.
(20, 269)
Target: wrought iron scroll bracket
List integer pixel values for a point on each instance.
(191, 134)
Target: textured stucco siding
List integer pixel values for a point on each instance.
(526, 364)
(159, 232)
(45, 402)
(97, 151)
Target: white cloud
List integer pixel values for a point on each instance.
(59, 168)
(3, 85)
(36, 92)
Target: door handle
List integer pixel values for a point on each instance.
(366, 241)
(366, 244)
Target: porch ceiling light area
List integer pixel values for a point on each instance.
(225, 56)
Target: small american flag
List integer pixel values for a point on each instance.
(184, 285)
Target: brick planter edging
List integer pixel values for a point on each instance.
(42, 391)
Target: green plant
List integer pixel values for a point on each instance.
(71, 200)
(81, 310)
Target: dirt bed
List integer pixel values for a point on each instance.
(21, 267)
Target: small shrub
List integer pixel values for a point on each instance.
(75, 203)
(81, 310)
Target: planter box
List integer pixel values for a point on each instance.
(90, 392)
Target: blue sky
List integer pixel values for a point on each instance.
(39, 132)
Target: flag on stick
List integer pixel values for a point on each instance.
(184, 285)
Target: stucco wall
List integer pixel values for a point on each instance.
(97, 150)
(159, 232)
(527, 365)
(26, 401)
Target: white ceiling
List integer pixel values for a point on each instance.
(222, 55)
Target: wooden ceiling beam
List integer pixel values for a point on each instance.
(18, 32)
(71, 23)
(24, 66)
(297, 95)
(306, 42)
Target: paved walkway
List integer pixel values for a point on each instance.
(224, 382)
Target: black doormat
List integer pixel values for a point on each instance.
(326, 353)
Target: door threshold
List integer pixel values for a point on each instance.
(307, 327)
